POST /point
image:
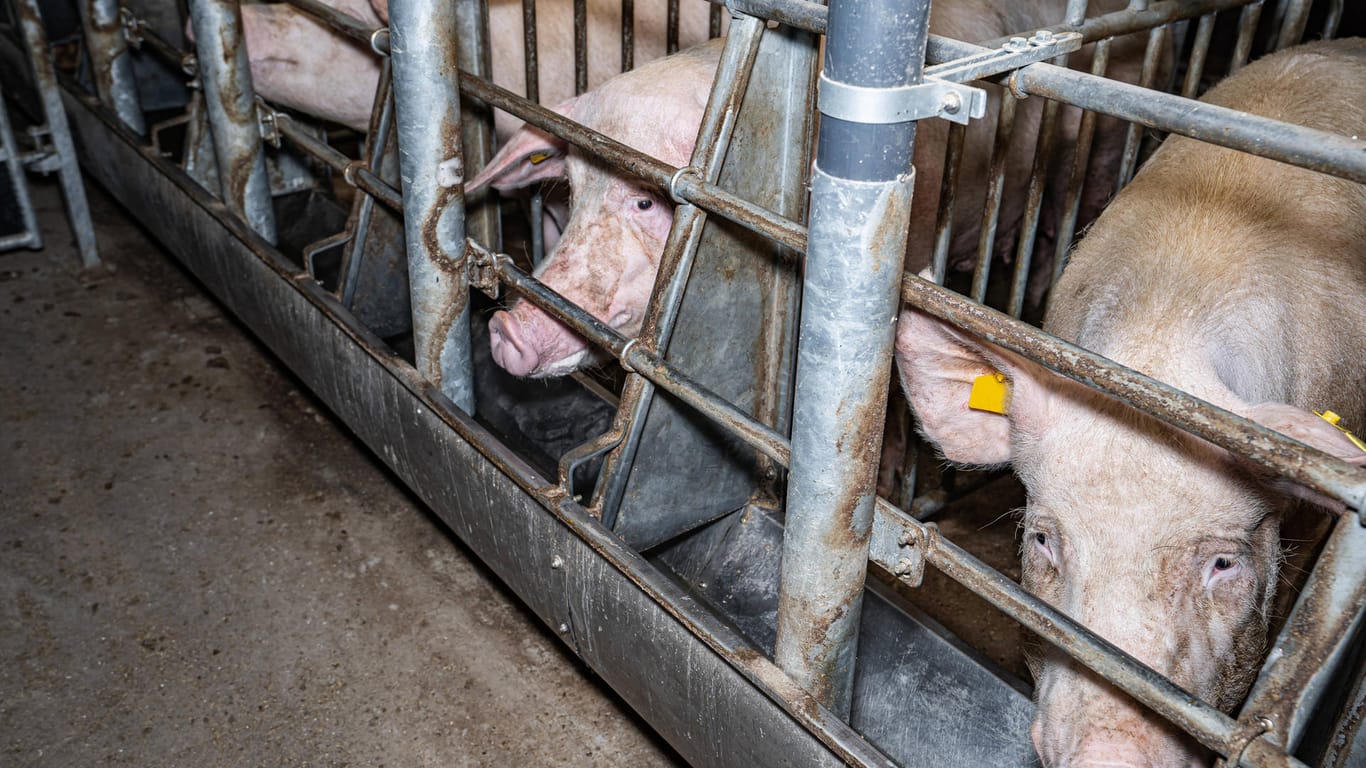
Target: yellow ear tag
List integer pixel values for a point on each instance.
(537, 158)
(991, 393)
(1333, 418)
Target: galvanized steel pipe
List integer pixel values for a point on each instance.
(110, 63)
(860, 202)
(230, 102)
(423, 51)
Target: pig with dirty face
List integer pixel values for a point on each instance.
(1228, 276)
(606, 258)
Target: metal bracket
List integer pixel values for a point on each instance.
(269, 128)
(131, 26)
(943, 93)
(898, 545)
(481, 266)
(932, 98)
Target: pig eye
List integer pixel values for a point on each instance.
(1222, 564)
(644, 204)
(1222, 568)
(1045, 547)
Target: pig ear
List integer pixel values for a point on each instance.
(1312, 430)
(531, 155)
(938, 365)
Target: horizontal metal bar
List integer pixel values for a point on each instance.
(642, 166)
(635, 358)
(355, 172)
(1208, 725)
(1129, 21)
(1225, 429)
(344, 23)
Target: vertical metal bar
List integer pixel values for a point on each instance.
(1135, 131)
(68, 172)
(714, 21)
(1318, 633)
(1199, 50)
(1247, 29)
(376, 145)
(32, 236)
(1332, 19)
(423, 35)
(474, 55)
(230, 103)
(533, 81)
(1081, 162)
(948, 198)
(628, 35)
(1293, 24)
(580, 46)
(860, 202)
(110, 62)
(671, 28)
(713, 138)
(991, 209)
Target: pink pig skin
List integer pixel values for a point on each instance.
(1239, 280)
(300, 64)
(609, 254)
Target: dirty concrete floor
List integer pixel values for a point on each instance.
(198, 566)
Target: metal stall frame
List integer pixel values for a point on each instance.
(572, 571)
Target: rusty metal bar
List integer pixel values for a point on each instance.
(860, 200)
(357, 173)
(1133, 134)
(1269, 449)
(473, 55)
(1081, 161)
(1317, 635)
(378, 138)
(529, 53)
(338, 21)
(110, 63)
(671, 28)
(423, 36)
(675, 265)
(628, 35)
(230, 104)
(580, 46)
(948, 199)
(1247, 30)
(991, 209)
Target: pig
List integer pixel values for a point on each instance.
(299, 63)
(606, 262)
(1237, 279)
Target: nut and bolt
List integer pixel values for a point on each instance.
(557, 562)
(1042, 37)
(903, 567)
(1017, 44)
(951, 103)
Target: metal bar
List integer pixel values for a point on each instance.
(59, 131)
(474, 55)
(628, 35)
(110, 63)
(1280, 454)
(948, 198)
(671, 28)
(860, 201)
(1076, 185)
(427, 111)
(354, 172)
(1208, 725)
(642, 166)
(529, 51)
(580, 46)
(337, 20)
(1247, 30)
(675, 264)
(1296, 17)
(1199, 50)
(230, 103)
(991, 209)
(377, 142)
(1317, 635)
(1133, 134)
(1332, 19)
(32, 236)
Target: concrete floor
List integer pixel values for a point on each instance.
(199, 566)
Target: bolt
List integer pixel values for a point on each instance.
(564, 628)
(557, 562)
(903, 567)
(951, 103)
(1042, 37)
(1017, 44)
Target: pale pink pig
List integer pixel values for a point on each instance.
(303, 65)
(606, 265)
(1237, 279)
(608, 254)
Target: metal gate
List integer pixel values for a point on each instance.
(700, 528)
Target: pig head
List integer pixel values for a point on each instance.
(606, 258)
(1225, 275)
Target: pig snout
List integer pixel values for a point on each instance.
(527, 342)
(1083, 723)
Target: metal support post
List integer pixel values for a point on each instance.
(58, 130)
(860, 202)
(482, 221)
(111, 63)
(423, 36)
(230, 104)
